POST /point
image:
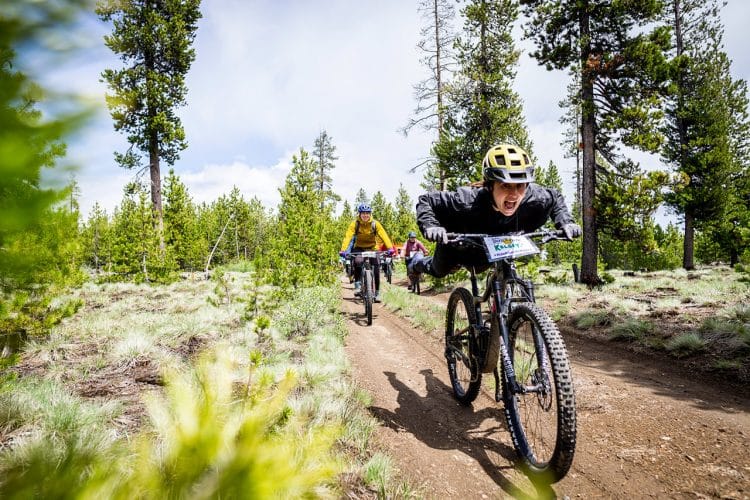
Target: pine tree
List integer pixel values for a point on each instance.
(621, 69)
(484, 109)
(571, 142)
(324, 153)
(705, 107)
(361, 198)
(436, 45)
(154, 38)
(383, 212)
(95, 239)
(627, 199)
(406, 219)
(304, 248)
(136, 247)
(180, 225)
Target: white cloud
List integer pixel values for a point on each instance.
(269, 76)
(213, 180)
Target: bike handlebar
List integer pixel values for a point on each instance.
(367, 253)
(547, 236)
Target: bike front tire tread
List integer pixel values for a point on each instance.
(562, 457)
(367, 293)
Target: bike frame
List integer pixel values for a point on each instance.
(366, 255)
(499, 293)
(499, 285)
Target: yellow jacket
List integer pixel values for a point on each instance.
(365, 238)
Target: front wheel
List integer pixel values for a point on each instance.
(541, 419)
(368, 293)
(466, 377)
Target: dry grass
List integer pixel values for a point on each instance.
(116, 350)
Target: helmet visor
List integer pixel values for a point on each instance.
(509, 176)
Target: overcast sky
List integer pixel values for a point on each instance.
(269, 75)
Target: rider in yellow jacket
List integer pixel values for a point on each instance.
(361, 236)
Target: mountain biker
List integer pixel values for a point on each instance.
(361, 236)
(506, 201)
(411, 246)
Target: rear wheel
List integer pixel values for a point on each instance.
(368, 293)
(414, 282)
(466, 378)
(542, 421)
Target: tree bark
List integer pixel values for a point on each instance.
(153, 157)
(689, 240)
(155, 171)
(687, 248)
(589, 258)
(439, 86)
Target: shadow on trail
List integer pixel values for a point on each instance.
(439, 422)
(665, 377)
(358, 315)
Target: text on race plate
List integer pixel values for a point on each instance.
(508, 247)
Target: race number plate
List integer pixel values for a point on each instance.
(508, 247)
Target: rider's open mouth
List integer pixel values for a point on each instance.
(510, 205)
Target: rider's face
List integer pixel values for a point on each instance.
(365, 215)
(508, 197)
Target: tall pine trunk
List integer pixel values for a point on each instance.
(442, 177)
(153, 161)
(689, 240)
(687, 250)
(589, 258)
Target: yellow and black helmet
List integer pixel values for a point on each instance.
(507, 163)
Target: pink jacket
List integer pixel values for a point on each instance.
(410, 247)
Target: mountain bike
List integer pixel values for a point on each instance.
(503, 331)
(367, 292)
(386, 264)
(415, 278)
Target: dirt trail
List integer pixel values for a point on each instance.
(643, 430)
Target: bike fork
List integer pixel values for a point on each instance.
(508, 372)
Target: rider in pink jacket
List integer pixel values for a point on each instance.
(412, 245)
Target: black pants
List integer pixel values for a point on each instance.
(448, 259)
(374, 262)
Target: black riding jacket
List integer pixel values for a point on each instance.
(470, 210)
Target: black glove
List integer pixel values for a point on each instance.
(571, 230)
(437, 234)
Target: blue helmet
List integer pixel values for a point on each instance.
(364, 207)
(412, 234)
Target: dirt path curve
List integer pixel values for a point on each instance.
(643, 430)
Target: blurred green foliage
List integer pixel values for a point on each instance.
(38, 247)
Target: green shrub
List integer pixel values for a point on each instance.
(593, 317)
(208, 441)
(632, 329)
(308, 312)
(607, 278)
(685, 345)
(727, 364)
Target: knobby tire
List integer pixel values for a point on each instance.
(465, 375)
(368, 295)
(542, 426)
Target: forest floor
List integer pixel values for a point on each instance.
(647, 426)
